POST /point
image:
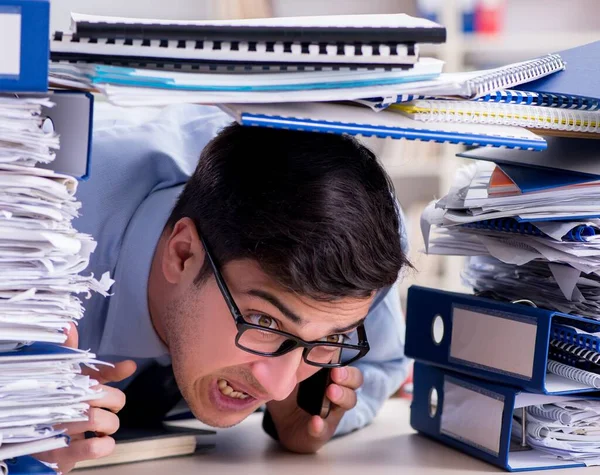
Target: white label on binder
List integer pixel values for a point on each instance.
(503, 343)
(10, 44)
(473, 417)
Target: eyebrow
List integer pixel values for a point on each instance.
(292, 316)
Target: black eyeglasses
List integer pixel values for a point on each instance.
(265, 341)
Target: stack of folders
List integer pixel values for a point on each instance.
(503, 373)
(316, 73)
(41, 259)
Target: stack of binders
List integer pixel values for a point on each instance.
(41, 254)
(511, 372)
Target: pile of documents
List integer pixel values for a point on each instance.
(41, 260)
(528, 221)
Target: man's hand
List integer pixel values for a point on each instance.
(102, 417)
(299, 431)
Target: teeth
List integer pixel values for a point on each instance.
(229, 391)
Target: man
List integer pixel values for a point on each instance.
(246, 258)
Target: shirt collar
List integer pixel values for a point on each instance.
(128, 331)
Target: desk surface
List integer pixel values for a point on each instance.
(387, 446)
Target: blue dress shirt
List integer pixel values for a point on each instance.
(138, 169)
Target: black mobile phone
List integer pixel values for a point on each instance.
(311, 392)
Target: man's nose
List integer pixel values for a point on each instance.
(278, 374)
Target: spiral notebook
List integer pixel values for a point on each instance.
(546, 120)
(357, 120)
(508, 96)
(341, 41)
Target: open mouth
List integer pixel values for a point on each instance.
(226, 388)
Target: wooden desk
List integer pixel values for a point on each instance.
(387, 446)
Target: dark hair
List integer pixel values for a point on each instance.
(316, 211)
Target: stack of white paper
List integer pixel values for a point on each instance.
(568, 430)
(41, 255)
(543, 246)
(42, 258)
(553, 286)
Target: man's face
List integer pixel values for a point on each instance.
(222, 383)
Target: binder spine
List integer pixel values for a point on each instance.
(505, 78)
(508, 114)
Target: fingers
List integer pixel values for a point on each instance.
(72, 340)
(99, 421)
(347, 376)
(316, 427)
(78, 450)
(344, 398)
(113, 399)
(109, 374)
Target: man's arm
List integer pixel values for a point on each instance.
(385, 367)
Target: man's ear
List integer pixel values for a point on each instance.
(183, 253)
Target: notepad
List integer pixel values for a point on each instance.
(356, 120)
(545, 119)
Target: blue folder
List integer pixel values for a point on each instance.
(530, 179)
(498, 341)
(580, 78)
(24, 35)
(72, 118)
(27, 465)
(475, 417)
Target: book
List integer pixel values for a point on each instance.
(580, 79)
(143, 444)
(356, 120)
(543, 119)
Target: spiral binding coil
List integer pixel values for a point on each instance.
(371, 49)
(505, 225)
(574, 374)
(586, 354)
(505, 78)
(552, 413)
(538, 99)
(508, 114)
